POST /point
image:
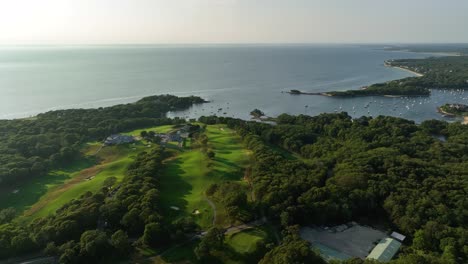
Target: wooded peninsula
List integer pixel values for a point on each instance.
(449, 72)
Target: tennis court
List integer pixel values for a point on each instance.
(344, 241)
(329, 253)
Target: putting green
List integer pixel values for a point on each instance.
(246, 241)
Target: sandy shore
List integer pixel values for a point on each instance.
(465, 118)
(413, 72)
(445, 113)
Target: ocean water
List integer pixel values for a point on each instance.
(236, 79)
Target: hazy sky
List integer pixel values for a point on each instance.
(231, 21)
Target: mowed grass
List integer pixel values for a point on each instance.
(238, 247)
(230, 162)
(187, 177)
(245, 242)
(113, 162)
(157, 129)
(31, 191)
(183, 184)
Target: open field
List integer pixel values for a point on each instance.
(28, 193)
(158, 129)
(112, 162)
(192, 172)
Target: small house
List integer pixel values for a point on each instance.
(118, 139)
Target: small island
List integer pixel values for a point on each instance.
(453, 110)
(256, 113)
(297, 92)
(259, 115)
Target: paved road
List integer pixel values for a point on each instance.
(30, 260)
(45, 260)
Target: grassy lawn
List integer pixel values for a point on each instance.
(158, 129)
(239, 247)
(230, 162)
(31, 191)
(187, 177)
(180, 254)
(183, 185)
(112, 161)
(246, 241)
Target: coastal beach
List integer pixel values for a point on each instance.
(464, 119)
(407, 70)
(444, 113)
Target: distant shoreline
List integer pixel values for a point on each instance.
(386, 64)
(433, 53)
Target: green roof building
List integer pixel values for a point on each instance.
(385, 250)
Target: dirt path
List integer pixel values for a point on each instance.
(213, 206)
(247, 178)
(97, 151)
(242, 227)
(60, 189)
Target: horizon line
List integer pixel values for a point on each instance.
(235, 43)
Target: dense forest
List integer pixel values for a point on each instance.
(381, 170)
(438, 73)
(327, 169)
(32, 147)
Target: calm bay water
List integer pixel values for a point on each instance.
(234, 78)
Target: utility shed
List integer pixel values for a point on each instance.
(385, 250)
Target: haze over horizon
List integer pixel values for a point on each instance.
(74, 22)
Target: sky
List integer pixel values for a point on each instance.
(232, 21)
